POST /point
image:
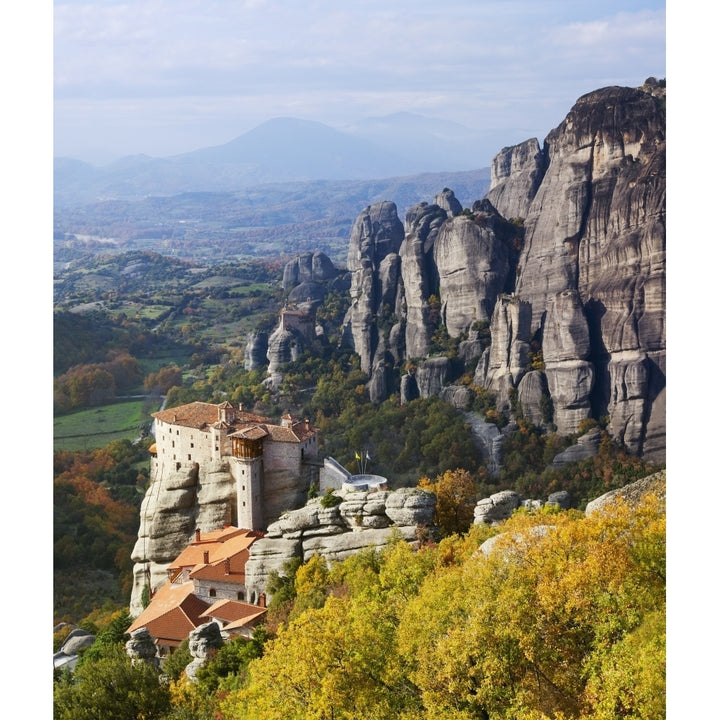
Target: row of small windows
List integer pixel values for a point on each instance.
(213, 593)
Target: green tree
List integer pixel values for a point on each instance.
(111, 688)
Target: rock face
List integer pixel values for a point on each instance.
(256, 349)
(77, 640)
(309, 267)
(172, 509)
(202, 641)
(141, 648)
(655, 483)
(515, 176)
(564, 258)
(361, 520)
(374, 263)
(596, 227)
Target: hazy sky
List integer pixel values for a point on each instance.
(167, 76)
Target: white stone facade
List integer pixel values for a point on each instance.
(272, 465)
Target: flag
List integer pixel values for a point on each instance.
(357, 455)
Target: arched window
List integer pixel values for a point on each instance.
(212, 592)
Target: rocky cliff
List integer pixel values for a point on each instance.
(361, 520)
(564, 259)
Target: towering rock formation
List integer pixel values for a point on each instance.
(374, 264)
(571, 238)
(596, 227)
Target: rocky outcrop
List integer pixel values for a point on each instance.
(419, 277)
(308, 267)
(596, 226)
(362, 520)
(631, 494)
(373, 262)
(142, 649)
(515, 176)
(173, 507)
(284, 345)
(488, 439)
(76, 641)
(507, 357)
(566, 351)
(203, 641)
(571, 238)
(448, 202)
(586, 446)
(256, 348)
(473, 265)
(496, 508)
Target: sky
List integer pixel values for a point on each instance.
(162, 77)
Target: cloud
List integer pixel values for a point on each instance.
(488, 63)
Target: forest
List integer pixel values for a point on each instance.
(563, 617)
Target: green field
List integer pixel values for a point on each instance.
(96, 427)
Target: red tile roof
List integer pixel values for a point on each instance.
(235, 612)
(200, 415)
(172, 614)
(230, 542)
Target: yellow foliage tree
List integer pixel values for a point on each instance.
(456, 497)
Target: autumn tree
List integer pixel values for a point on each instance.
(456, 495)
(164, 379)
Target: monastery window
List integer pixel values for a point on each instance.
(177, 432)
(177, 466)
(192, 445)
(189, 458)
(212, 592)
(240, 595)
(243, 503)
(173, 443)
(243, 487)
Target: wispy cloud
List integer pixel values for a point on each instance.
(468, 60)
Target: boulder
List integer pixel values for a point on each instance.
(202, 642)
(77, 640)
(141, 648)
(496, 508)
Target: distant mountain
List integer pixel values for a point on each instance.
(279, 150)
(442, 145)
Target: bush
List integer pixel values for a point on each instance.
(329, 499)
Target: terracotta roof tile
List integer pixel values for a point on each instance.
(172, 614)
(234, 611)
(230, 542)
(199, 414)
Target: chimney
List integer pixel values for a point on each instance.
(197, 534)
(227, 566)
(261, 600)
(206, 556)
(307, 423)
(240, 407)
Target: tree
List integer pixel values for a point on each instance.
(112, 688)
(456, 495)
(164, 379)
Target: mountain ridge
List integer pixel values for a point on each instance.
(282, 149)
